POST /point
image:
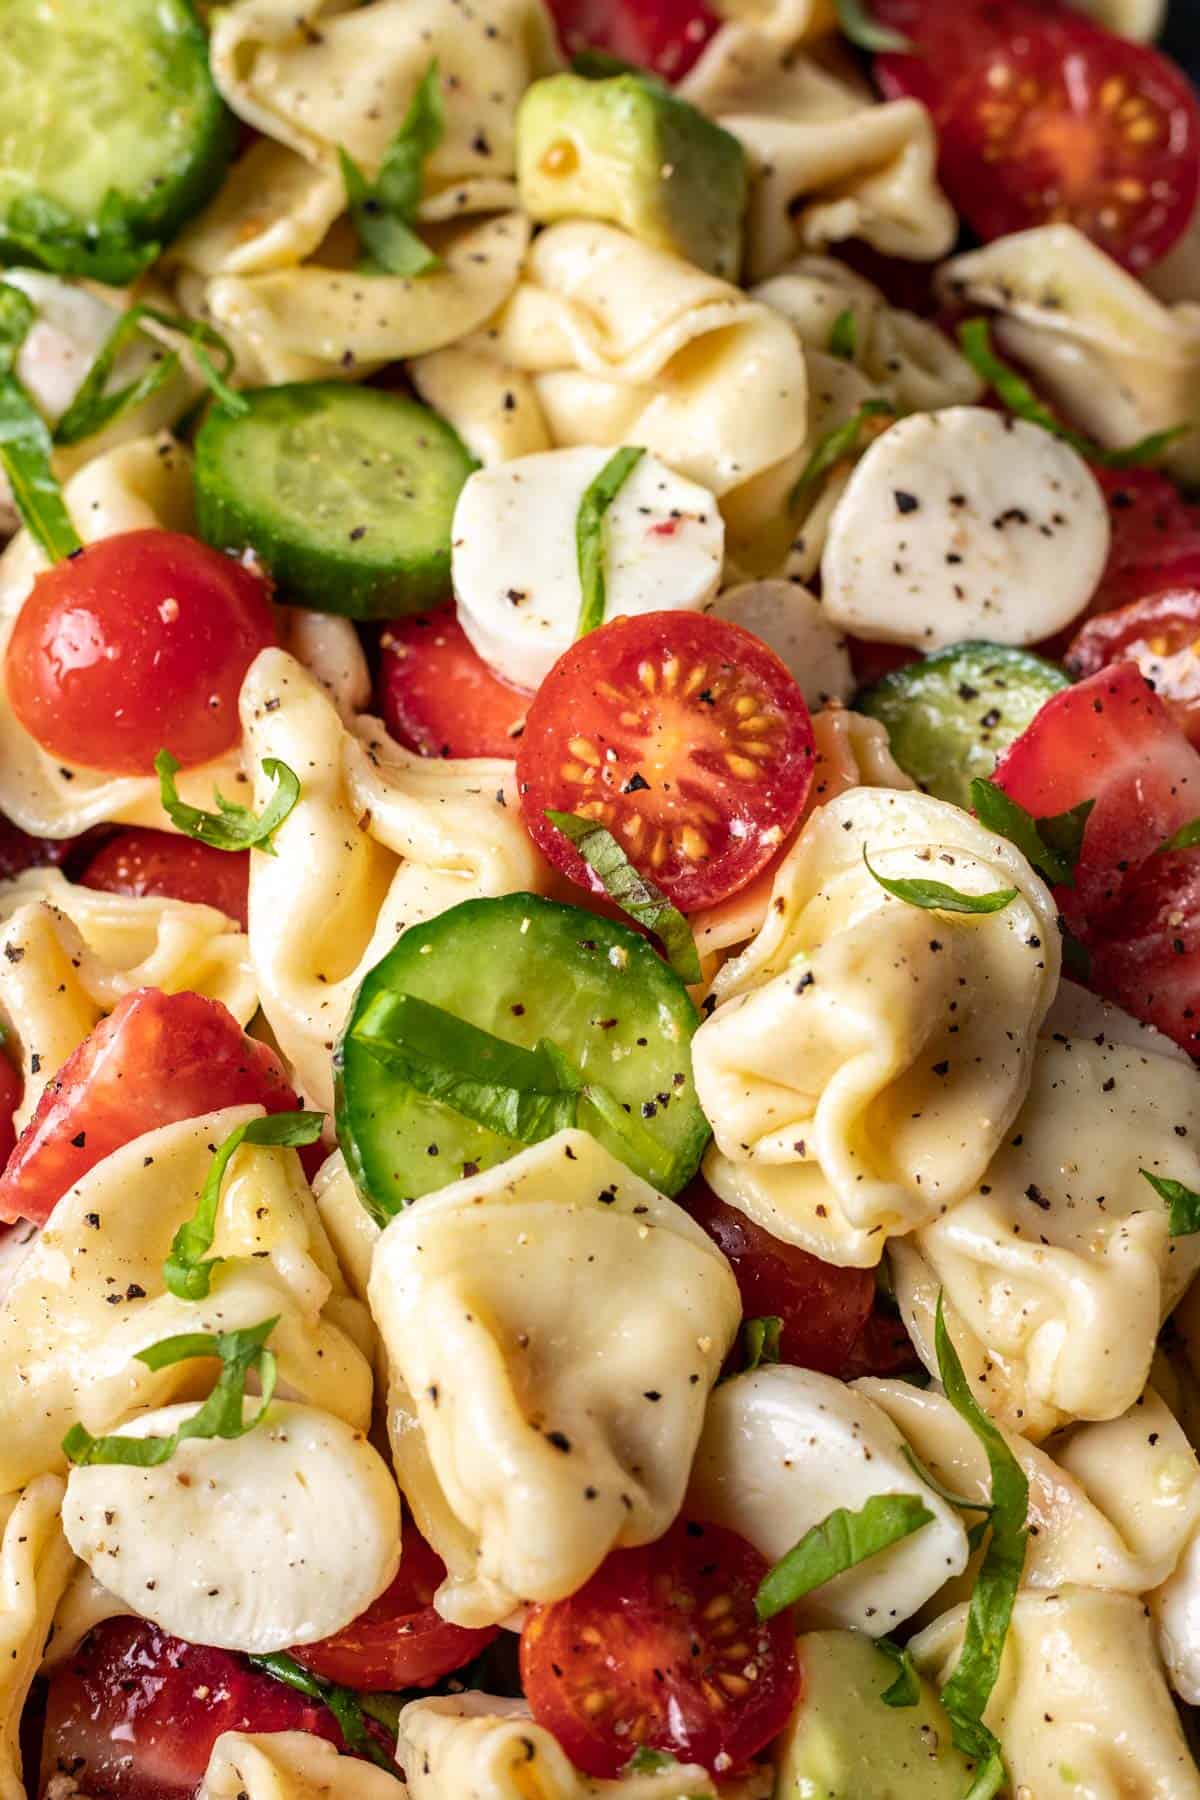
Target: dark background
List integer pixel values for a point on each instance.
(1183, 35)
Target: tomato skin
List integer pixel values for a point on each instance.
(666, 36)
(644, 1633)
(400, 1641)
(685, 736)
(137, 644)
(134, 1714)
(883, 1348)
(1161, 635)
(1147, 958)
(437, 694)
(824, 1309)
(10, 1099)
(19, 851)
(1155, 533)
(139, 861)
(156, 1059)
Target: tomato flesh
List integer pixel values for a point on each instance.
(10, 1099)
(1161, 634)
(438, 695)
(1147, 958)
(400, 1641)
(662, 1648)
(156, 1059)
(138, 643)
(685, 736)
(134, 1714)
(666, 36)
(139, 861)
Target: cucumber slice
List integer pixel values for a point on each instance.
(111, 131)
(345, 493)
(522, 968)
(950, 717)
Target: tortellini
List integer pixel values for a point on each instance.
(35, 1565)
(1141, 20)
(379, 840)
(552, 1328)
(866, 1057)
(291, 1765)
(89, 1293)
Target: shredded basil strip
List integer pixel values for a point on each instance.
(906, 1689)
(52, 236)
(94, 407)
(635, 894)
(760, 1342)
(25, 443)
(383, 210)
(1183, 1201)
(839, 1542)
(351, 1710)
(222, 1414)
(522, 1094)
(589, 535)
(187, 1273)
(975, 337)
(966, 1694)
(943, 1493)
(234, 827)
(1052, 845)
(866, 33)
(935, 896)
(843, 442)
(1186, 838)
(843, 339)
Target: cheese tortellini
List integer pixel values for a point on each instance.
(291, 1765)
(866, 1057)
(552, 1328)
(35, 1566)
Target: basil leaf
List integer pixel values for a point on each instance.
(1183, 1201)
(50, 235)
(658, 1164)
(94, 407)
(906, 1689)
(348, 1708)
(234, 827)
(222, 1414)
(1052, 844)
(646, 1761)
(966, 1694)
(935, 896)
(975, 338)
(760, 1342)
(1186, 838)
(837, 446)
(839, 1542)
(635, 894)
(843, 339)
(856, 23)
(589, 536)
(17, 315)
(383, 210)
(187, 1275)
(943, 1493)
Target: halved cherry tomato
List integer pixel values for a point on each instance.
(138, 643)
(883, 1347)
(140, 861)
(1155, 537)
(400, 1641)
(156, 1059)
(19, 851)
(824, 1309)
(871, 662)
(1047, 117)
(666, 36)
(663, 1648)
(438, 695)
(1147, 957)
(681, 733)
(134, 1714)
(10, 1099)
(1161, 634)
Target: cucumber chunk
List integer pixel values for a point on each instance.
(346, 494)
(523, 969)
(951, 716)
(111, 132)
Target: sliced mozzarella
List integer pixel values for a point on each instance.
(63, 341)
(782, 1447)
(795, 626)
(275, 1538)
(963, 524)
(515, 567)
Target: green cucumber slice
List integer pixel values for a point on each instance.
(523, 969)
(346, 494)
(951, 716)
(111, 131)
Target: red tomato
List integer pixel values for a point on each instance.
(1147, 958)
(438, 695)
(156, 1059)
(10, 1099)
(663, 1648)
(1155, 537)
(871, 662)
(824, 1309)
(882, 1348)
(681, 733)
(1161, 634)
(1047, 117)
(664, 35)
(19, 851)
(400, 1641)
(134, 1714)
(140, 861)
(137, 644)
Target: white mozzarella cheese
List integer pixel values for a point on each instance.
(254, 1543)
(515, 563)
(781, 1448)
(964, 524)
(793, 623)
